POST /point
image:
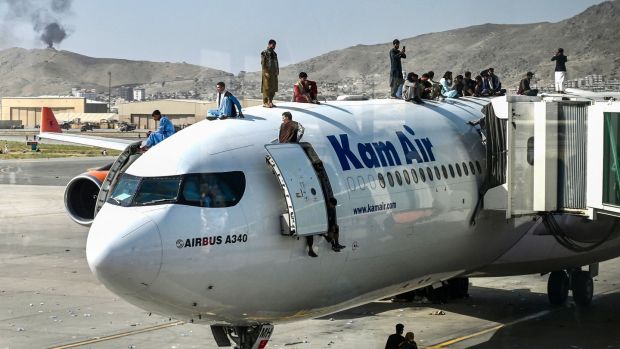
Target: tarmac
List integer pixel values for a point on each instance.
(50, 299)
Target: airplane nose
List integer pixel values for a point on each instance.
(124, 252)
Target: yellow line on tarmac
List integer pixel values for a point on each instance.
(491, 329)
(118, 335)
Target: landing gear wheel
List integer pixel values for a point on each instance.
(459, 288)
(557, 287)
(583, 287)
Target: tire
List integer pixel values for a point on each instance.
(557, 287)
(583, 288)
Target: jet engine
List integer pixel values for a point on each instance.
(81, 196)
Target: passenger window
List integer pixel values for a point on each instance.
(437, 174)
(430, 173)
(371, 182)
(124, 190)
(458, 170)
(381, 180)
(451, 170)
(422, 176)
(361, 182)
(445, 172)
(471, 168)
(390, 179)
(157, 190)
(399, 179)
(465, 170)
(478, 166)
(406, 175)
(414, 175)
(351, 184)
(213, 189)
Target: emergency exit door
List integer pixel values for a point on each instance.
(306, 207)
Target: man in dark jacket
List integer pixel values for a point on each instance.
(560, 69)
(396, 68)
(395, 340)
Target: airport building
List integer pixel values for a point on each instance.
(27, 110)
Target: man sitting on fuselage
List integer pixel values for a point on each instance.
(165, 130)
(228, 105)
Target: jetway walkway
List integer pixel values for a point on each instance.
(552, 155)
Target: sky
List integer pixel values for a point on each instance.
(229, 35)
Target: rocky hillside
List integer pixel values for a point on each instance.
(590, 39)
(47, 71)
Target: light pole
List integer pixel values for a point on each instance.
(109, 91)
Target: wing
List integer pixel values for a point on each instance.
(51, 130)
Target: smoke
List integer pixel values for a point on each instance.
(52, 34)
(43, 15)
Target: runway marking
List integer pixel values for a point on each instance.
(118, 335)
(491, 329)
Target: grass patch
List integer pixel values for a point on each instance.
(20, 150)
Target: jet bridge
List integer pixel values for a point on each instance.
(551, 155)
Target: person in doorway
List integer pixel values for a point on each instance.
(395, 340)
(333, 231)
(396, 68)
(560, 69)
(165, 130)
(270, 70)
(290, 131)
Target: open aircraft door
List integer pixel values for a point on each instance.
(306, 207)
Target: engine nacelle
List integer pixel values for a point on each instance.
(81, 196)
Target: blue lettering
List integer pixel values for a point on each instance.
(368, 155)
(387, 150)
(344, 153)
(421, 147)
(408, 148)
(428, 145)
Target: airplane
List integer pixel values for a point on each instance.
(208, 226)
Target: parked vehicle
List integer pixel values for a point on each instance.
(126, 127)
(87, 127)
(66, 125)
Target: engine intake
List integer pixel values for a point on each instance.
(81, 196)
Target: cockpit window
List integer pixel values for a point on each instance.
(212, 189)
(195, 189)
(124, 190)
(157, 190)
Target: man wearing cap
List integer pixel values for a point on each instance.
(524, 86)
(560, 69)
(165, 130)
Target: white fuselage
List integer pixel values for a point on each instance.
(242, 271)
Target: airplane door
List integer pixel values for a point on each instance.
(305, 201)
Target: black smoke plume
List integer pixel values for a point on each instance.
(43, 15)
(52, 34)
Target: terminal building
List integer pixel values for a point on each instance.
(181, 112)
(26, 111)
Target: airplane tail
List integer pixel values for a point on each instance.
(48, 121)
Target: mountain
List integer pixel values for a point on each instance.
(590, 40)
(48, 71)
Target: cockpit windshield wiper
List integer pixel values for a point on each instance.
(116, 201)
(157, 201)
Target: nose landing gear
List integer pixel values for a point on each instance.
(577, 280)
(245, 337)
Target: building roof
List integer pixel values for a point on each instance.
(86, 117)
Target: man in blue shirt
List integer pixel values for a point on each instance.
(165, 130)
(228, 106)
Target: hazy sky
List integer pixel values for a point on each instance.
(229, 35)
